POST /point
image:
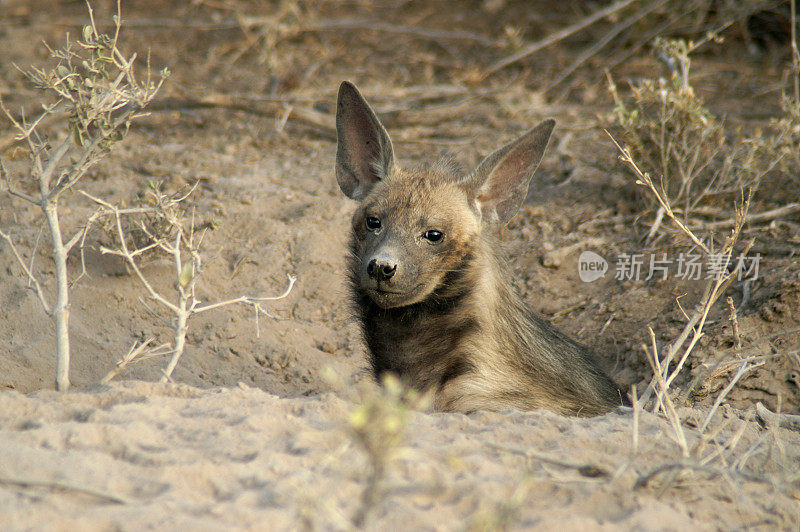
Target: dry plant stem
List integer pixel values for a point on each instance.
(372, 491)
(737, 338)
(637, 406)
(711, 436)
(766, 216)
(583, 468)
(138, 351)
(656, 224)
(729, 445)
(33, 282)
(268, 105)
(646, 39)
(663, 395)
(719, 367)
(645, 479)
(744, 368)
(248, 22)
(718, 287)
(354, 24)
(644, 179)
(61, 308)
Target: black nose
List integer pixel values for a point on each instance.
(381, 270)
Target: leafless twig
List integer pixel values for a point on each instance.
(179, 239)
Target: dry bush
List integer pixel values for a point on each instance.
(687, 162)
(698, 162)
(728, 269)
(93, 86)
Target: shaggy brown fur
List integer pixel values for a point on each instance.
(431, 288)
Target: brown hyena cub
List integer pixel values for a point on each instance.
(430, 283)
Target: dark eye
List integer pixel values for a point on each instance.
(433, 235)
(373, 224)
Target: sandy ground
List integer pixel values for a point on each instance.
(135, 455)
(253, 436)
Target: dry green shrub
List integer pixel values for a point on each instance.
(94, 88)
(671, 134)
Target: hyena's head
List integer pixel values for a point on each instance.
(415, 227)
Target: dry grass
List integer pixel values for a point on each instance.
(668, 128)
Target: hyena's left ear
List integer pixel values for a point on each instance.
(364, 152)
(499, 184)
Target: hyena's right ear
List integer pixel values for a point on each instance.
(364, 153)
(500, 182)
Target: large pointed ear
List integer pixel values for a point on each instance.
(499, 184)
(364, 153)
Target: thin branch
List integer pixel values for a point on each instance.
(4, 176)
(35, 247)
(373, 25)
(645, 478)
(644, 179)
(788, 421)
(32, 280)
(668, 407)
(795, 54)
(52, 163)
(744, 368)
(122, 212)
(138, 351)
(156, 314)
(248, 299)
(135, 267)
(585, 469)
(321, 25)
